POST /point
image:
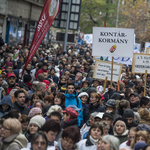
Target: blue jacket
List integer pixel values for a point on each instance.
(70, 99)
(6, 100)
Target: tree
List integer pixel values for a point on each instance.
(136, 15)
(95, 12)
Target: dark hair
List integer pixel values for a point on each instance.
(123, 104)
(72, 133)
(95, 125)
(51, 125)
(141, 89)
(37, 135)
(56, 114)
(49, 98)
(86, 81)
(27, 78)
(144, 101)
(40, 77)
(24, 118)
(127, 92)
(18, 92)
(2, 120)
(12, 114)
(70, 83)
(62, 97)
(35, 94)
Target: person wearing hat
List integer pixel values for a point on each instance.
(107, 117)
(98, 117)
(27, 82)
(53, 76)
(11, 80)
(139, 145)
(96, 82)
(129, 116)
(144, 110)
(134, 100)
(111, 108)
(84, 97)
(35, 124)
(44, 69)
(70, 118)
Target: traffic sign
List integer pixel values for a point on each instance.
(80, 42)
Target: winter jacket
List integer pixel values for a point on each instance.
(84, 89)
(133, 105)
(115, 115)
(120, 111)
(40, 71)
(123, 137)
(133, 124)
(84, 130)
(23, 109)
(90, 109)
(14, 142)
(145, 116)
(124, 145)
(2, 93)
(26, 86)
(108, 94)
(55, 78)
(86, 144)
(59, 147)
(71, 99)
(73, 122)
(6, 100)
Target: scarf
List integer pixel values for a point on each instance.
(93, 141)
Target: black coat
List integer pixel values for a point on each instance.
(90, 109)
(135, 105)
(73, 122)
(108, 95)
(22, 109)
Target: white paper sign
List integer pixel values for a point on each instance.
(141, 62)
(88, 38)
(103, 69)
(113, 42)
(147, 45)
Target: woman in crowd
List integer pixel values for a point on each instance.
(109, 142)
(24, 123)
(120, 130)
(95, 132)
(141, 136)
(35, 124)
(35, 111)
(12, 139)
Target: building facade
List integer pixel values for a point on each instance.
(18, 19)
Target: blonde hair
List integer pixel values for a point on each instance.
(144, 134)
(14, 125)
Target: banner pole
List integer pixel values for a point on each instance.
(145, 83)
(105, 84)
(118, 85)
(111, 72)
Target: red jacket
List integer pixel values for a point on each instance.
(40, 71)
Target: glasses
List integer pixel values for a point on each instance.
(5, 128)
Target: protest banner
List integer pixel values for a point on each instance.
(49, 13)
(113, 42)
(103, 69)
(140, 63)
(148, 50)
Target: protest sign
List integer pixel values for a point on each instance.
(140, 63)
(103, 69)
(148, 50)
(113, 42)
(88, 38)
(147, 45)
(48, 14)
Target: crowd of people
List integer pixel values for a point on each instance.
(57, 104)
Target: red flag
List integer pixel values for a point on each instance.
(49, 13)
(104, 23)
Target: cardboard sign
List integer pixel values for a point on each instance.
(113, 42)
(148, 50)
(147, 45)
(140, 63)
(103, 69)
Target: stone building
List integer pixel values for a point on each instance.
(18, 19)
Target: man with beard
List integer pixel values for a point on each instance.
(11, 80)
(44, 69)
(78, 79)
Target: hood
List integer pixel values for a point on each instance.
(124, 133)
(6, 100)
(71, 95)
(21, 139)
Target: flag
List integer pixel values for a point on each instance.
(16, 55)
(49, 13)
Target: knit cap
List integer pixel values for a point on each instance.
(38, 120)
(83, 94)
(128, 113)
(33, 111)
(139, 145)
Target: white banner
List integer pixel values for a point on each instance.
(103, 69)
(88, 38)
(113, 42)
(147, 45)
(141, 62)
